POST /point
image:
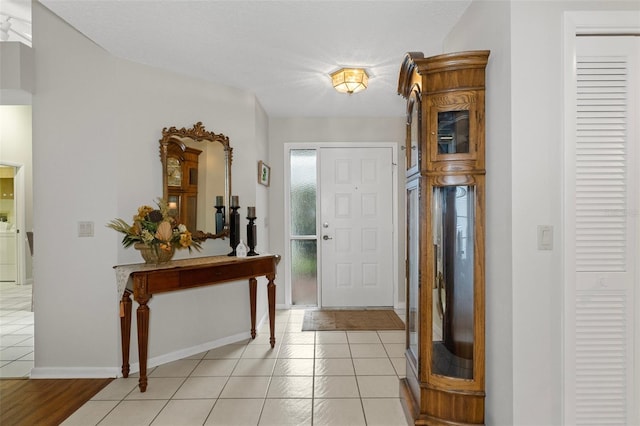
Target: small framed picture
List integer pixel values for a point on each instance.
(264, 173)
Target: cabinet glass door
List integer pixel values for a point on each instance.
(414, 119)
(453, 132)
(174, 203)
(453, 283)
(453, 120)
(174, 172)
(413, 263)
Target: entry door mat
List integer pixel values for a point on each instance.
(343, 319)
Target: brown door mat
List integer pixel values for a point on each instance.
(351, 319)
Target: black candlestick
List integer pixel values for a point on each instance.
(251, 237)
(234, 229)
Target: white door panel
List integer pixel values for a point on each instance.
(602, 235)
(357, 227)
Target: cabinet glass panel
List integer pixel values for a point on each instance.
(193, 176)
(174, 172)
(453, 283)
(453, 132)
(413, 263)
(413, 122)
(173, 203)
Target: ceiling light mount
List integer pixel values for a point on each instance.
(350, 80)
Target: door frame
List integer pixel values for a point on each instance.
(397, 302)
(577, 23)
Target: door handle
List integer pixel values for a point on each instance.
(326, 237)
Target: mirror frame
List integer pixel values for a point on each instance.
(199, 134)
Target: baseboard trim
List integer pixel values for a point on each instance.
(107, 372)
(187, 352)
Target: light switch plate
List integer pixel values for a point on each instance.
(85, 229)
(545, 237)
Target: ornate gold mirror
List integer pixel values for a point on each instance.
(196, 179)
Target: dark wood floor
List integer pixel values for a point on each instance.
(43, 402)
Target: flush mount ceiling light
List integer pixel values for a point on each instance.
(350, 80)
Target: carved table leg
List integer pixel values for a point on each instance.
(143, 340)
(271, 296)
(253, 285)
(125, 331)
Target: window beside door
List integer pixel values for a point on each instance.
(302, 225)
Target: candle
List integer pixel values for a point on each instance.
(234, 201)
(219, 200)
(251, 212)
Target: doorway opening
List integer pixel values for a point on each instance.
(16, 294)
(8, 225)
(16, 301)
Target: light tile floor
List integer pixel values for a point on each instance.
(318, 378)
(16, 330)
(310, 378)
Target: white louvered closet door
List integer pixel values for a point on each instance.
(602, 345)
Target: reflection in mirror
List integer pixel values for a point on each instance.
(453, 238)
(182, 182)
(196, 178)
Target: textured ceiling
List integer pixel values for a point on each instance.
(283, 51)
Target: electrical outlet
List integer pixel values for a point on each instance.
(85, 229)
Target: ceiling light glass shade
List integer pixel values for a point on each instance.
(350, 80)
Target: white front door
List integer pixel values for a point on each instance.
(356, 227)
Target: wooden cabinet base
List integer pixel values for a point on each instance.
(441, 408)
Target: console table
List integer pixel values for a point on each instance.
(143, 281)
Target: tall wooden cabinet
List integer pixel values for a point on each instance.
(182, 182)
(445, 196)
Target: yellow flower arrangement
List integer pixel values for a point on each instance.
(155, 228)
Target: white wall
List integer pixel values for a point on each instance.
(97, 121)
(263, 193)
(524, 188)
(314, 130)
(16, 73)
